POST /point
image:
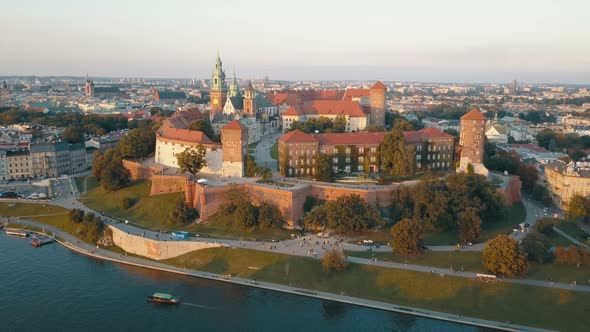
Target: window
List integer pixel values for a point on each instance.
(334, 160)
(418, 156)
(361, 150)
(347, 159)
(373, 159)
(360, 168)
(361, 159)
(373, 149)
(347, 150)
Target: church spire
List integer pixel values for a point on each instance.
(234, 90)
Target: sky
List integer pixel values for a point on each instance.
(413, 40)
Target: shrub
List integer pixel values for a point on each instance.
(334, 261)
(126, 203)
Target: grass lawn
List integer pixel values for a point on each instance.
(571, 229)
(276, 183)
(499, 301)
(515, 215)
(46, 214)
(468, 260)
(378, 236)
(274, 151)
(221, 229)
(558, 240)
(148, 211)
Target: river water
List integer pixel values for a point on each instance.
(53, 289)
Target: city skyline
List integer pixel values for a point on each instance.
(427, 41)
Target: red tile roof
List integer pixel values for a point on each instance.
(293, 110)
(333, 107)
(474, 114)
(379, 85)
(355, 93)
(191, 136)
(296, 136)
(360, 138)
(417, 136)
(234, 125)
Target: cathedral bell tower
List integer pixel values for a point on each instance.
(250, 106)
(218, 90)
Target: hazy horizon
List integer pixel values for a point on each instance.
(425, 41)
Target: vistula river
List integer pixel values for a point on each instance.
(53, 289)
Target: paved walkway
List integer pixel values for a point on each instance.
(570, 238)
(262, 151)
(81, 247)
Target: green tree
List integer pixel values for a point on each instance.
(322, 169)
(205, 126)
(182, 214)
(544, 138)
(537, 247)
(396, 157)
(126, 203)
(73, 134)
(469, 225)
(76, 215)
(114, 175)
(138, 143)
(502, 255)
(316, 218)
(269, 216)
(265, 173)
(192, 160)
(339, 124)
(251, 166)
(407, 237)
(577, 206)
(351, 213)
(334, 261)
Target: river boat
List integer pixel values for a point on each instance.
(163, 298)
(16, 232)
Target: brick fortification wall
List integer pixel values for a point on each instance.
(156, 249)
(166, 184)
(511, 192)
(161, 184)
(140, 172)
(289, 201)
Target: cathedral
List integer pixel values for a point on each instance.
(246, 106)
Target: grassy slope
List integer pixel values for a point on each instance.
(500, 301)
(148, 211)
(574, 231)
(152, 212)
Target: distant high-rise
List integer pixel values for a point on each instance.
(218, 89)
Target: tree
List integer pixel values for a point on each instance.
(126, 203)
(529, 177)
(396, 157)
(316, 218)
(577, 206)
(76, 215)
(182, 214)
(73, 134)
(192, 160)
(339, 124)
(114, 175)
(265, 173)
(322, 169)
(334, 261)
(537, 247)
(204, 126)
(544, 137)
(469, 225)
(269, 216)
(502, 255)
(251, 166)
(374, 129)
(407, 237)
(351, 213)
(138, 143)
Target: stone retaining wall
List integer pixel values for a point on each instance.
(154, 249)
